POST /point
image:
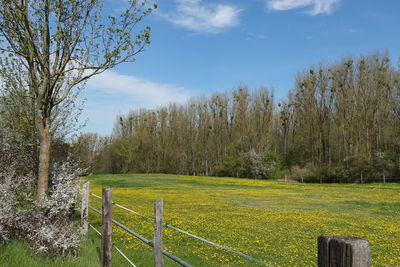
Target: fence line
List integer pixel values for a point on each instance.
(217, 245)
(144, 240)
(349, 251)
(125, 208)
(380, 180)
(183, 232)
(120, 252)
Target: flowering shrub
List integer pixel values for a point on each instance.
(7, 205)
(257, 167)
(46, 225)
(263, 164)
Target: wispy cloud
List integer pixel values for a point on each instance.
(110, 94)
(148, 93)
(197, 16)
(317, 6)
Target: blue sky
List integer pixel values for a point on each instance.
(202, 46)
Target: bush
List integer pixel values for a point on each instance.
(273, 163)
(233, 165)
(46, 226)
(259, 168)
(305, 173)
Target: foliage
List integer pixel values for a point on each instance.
(334, 123)
(257, 166)
(273, 163)
(204, 136)
(45, 225)
(305, 173)
(383, 164)
(87, 148)
(49, 49)
(16, 153)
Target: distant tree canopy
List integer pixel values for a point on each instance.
(341, 121)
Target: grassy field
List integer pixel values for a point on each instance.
(17, 254)
(276, 222)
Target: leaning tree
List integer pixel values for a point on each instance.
(49, 48)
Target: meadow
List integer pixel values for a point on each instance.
(17, 253)
(276, 222)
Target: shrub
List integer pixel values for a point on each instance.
(273, 163)
(258, 167)
(233, 165)
(263, 164)
(46, 226)
(305, 173)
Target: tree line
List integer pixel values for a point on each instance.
(340, 121)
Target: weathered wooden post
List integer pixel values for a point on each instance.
(343, 251)
(106, 227)
(158, 255)
(85, 208)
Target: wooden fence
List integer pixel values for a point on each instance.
(333, 251)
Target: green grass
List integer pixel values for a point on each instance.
(162, 181)
(18, 254)
(273, 221)
(276, 222)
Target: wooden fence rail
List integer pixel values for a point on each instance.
(191, 235)
(333, 251)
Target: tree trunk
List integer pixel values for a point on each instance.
(43, 130)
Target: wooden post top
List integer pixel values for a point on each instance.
(343, 251)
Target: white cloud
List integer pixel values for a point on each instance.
(147, 93)
(317, 6)
(194, 15)
(111, 94)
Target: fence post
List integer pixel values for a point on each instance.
(85, 208)
(343, 251)
(106, 227)
(158, 210)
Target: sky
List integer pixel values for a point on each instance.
(199, 47)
